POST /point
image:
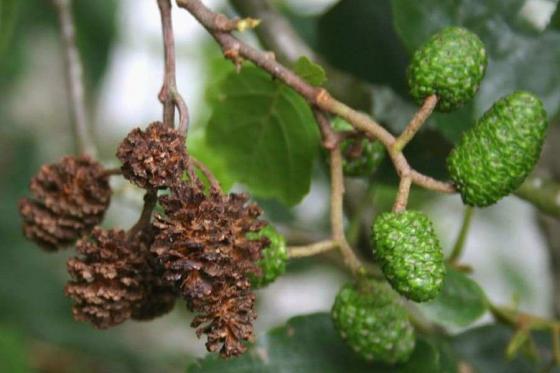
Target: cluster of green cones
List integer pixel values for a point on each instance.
(490, 162)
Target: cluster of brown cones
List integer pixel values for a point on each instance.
(196, 249)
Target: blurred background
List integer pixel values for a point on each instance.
(512, 246)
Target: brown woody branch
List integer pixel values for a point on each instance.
(169, 96)
(311, 249)
(214, 183)
(337, 193)
(277, 34)
(417, 121)
(236, 49)
(74, 79)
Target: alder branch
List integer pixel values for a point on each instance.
(417, 121)
(337, 194)
(74, 79)
(236, 49)
(311, 249)
(277, 34)
(169, 96)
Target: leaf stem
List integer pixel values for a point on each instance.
(462, 237)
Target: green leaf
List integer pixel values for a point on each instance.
(555, 19)
(460, 302)
(198, 147)
(358, 36)
(265, 133)
(484, 350)
(13, 357)
(8, 16)
(518, 60)
(309, 71)
(311, 344)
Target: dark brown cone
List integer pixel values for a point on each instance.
(68, 199)
(201, 242)
(153, 158)
(114, 280)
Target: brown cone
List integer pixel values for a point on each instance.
(153, 158)
(68, 199)
(114, 280)
(201, 242)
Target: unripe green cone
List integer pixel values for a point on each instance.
(410, 255)
(361, 156)
(451, 65)
(274, 257)
(496, 155)
(371, 319)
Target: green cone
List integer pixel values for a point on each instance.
(409, 252)
(371, 319)
(451, 65)
(495, 156)
(361, 157)
(274, 258)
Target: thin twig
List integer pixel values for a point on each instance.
(311, 249)
(183, 112)
(169, 80)
(236, 49)
(150, 201)
(337, 192)
(402, 195)
(112, 171)
(430, 183)
(417, 121)
(74, 79)
(329, 136)
(169, 95)
(337, 212)
(462, 237)
(214, 183)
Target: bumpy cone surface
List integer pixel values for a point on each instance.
(495, 156)
(410, 255)
(202, 243)
(274, 257)
(113, 280)
(451, 65)
(153, 158)
(361, 156)
(68, 199)
(371, 319)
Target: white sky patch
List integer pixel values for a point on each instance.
(310, 7)
(538, 12)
